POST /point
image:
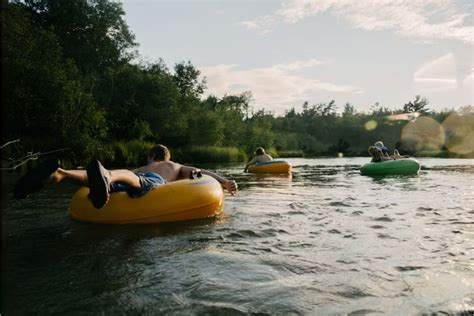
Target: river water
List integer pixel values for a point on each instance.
(324, 241)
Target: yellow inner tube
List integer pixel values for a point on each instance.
(175, 201)
(275, 166)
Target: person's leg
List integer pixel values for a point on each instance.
(80, 176)
(125, 176)
(49, 169)
(99, 180)
(148, 181)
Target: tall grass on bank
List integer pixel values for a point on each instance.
(134, 153)
(129, 154)
(290, 153)
(271, 151)
(203, 154)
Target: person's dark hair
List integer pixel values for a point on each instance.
(159, 152)
(260, 151)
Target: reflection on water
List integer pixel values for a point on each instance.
(325, 240)
(265, 181)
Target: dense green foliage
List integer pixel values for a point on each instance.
(72, 84)
(200, 154)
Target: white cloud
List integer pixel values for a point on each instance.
(469, 80)
(262, 26)
(276, 87)
(417, 19)
(300, 64)
(468, 84)
(436, 75)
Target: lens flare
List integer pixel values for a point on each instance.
(423, 134)
(459, 133)
(371, 125)
(402, 117)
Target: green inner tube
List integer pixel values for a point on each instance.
(391, 167)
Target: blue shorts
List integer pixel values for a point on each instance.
(148, 181)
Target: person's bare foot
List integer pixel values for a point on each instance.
(33, 179)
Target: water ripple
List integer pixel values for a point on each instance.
(324, 241)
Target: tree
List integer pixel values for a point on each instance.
(349, 110)
(90, 32)
(207, 129)
(47, 104)
(186, 77)
(239, 103)
(259, 131)
(342, 146)
(418, 105)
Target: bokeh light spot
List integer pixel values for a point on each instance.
(423, 134)
(459, 131)
(371, 125)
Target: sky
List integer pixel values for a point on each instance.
(289, 52)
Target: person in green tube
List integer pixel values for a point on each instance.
(380, 153)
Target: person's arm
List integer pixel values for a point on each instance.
(251, 162)
(229, 185)
(400, 157)
(384, 158)
(396, 155)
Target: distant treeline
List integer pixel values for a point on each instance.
(73, 81)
